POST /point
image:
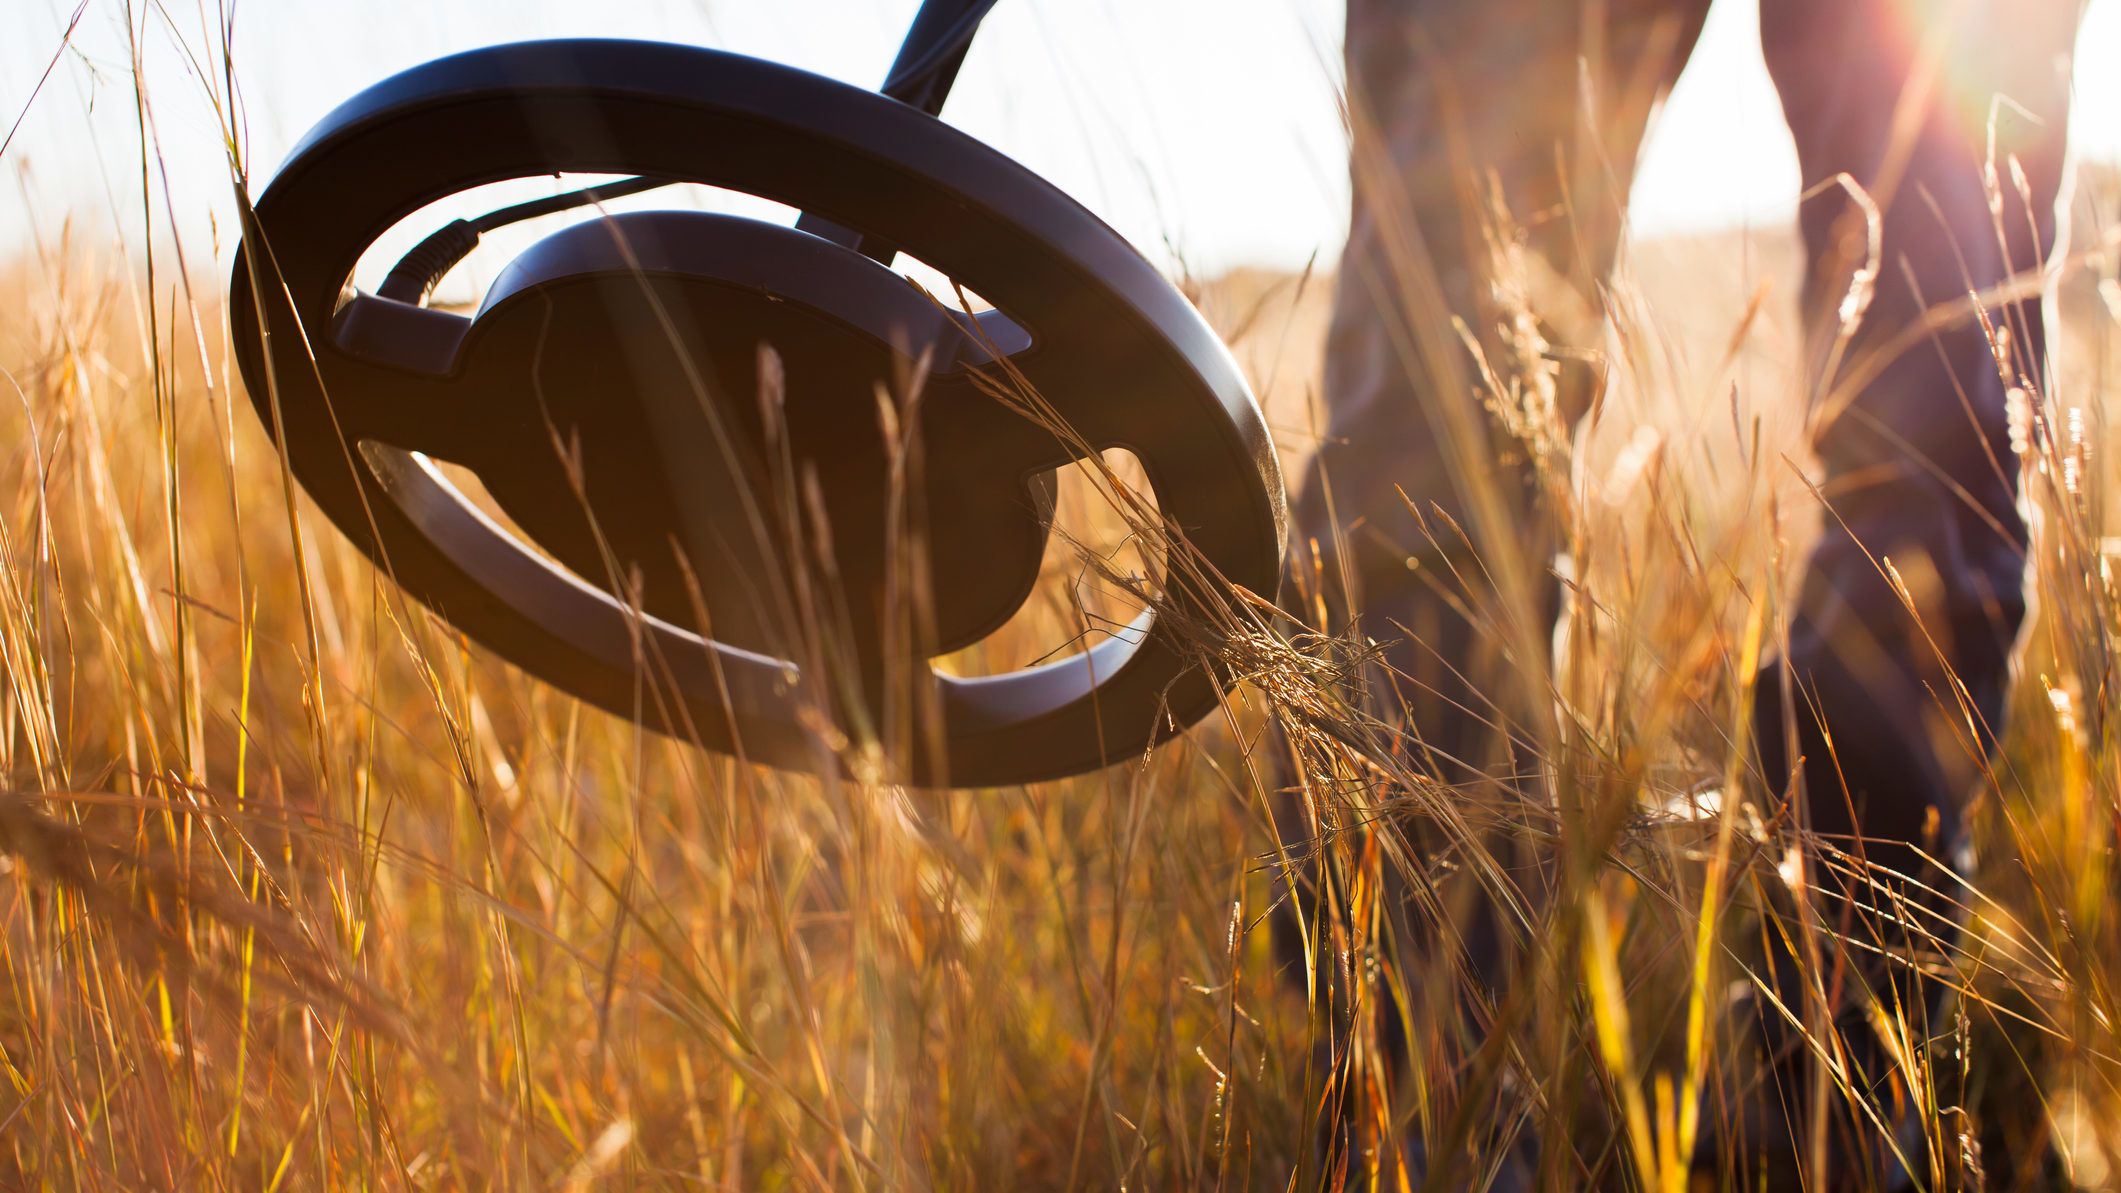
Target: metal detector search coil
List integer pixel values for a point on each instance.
(637, 340)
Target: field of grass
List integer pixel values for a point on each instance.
(298, 889)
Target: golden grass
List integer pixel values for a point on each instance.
(299, 890)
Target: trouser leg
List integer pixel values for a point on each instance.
(1455, 106)
(1879, 716)
(1911, 427)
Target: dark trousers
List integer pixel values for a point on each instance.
(1459, 107)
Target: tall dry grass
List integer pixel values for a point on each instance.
(299, 890)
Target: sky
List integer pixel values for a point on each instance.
(1204, 130)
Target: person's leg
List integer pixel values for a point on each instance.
(1458, 107)
(1455, 106)
(1878, 717)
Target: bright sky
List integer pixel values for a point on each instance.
(1203, 129)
